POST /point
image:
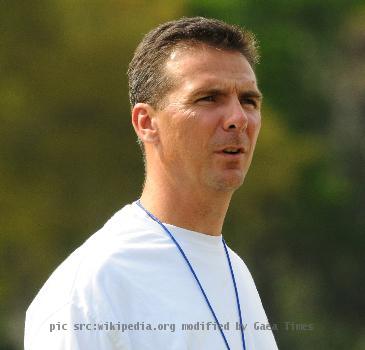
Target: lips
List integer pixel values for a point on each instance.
(232, 151)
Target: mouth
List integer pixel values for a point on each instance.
(232, 151)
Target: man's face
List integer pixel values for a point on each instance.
(210, 120)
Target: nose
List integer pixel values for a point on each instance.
(236, 118)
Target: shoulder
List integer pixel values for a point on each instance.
(239, 266)
(244, 278)
(81, 286)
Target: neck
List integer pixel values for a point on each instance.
(193, 209)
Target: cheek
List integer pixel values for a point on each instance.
(209, 126)
(253, 127)
(178, 132)
(190, 131)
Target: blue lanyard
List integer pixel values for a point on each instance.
(197, 279)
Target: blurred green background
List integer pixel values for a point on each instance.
(69, 159)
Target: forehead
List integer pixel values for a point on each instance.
(199, 67)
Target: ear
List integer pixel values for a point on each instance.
(144, 123)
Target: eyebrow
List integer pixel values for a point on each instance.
(219, 91)
(253, 94)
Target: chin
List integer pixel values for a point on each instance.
(227, 183)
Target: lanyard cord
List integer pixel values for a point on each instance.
(197, 279)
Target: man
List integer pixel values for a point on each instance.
(159, 275)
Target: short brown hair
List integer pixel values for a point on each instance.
(148, 82)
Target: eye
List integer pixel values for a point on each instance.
(210, 98)
(249, 101)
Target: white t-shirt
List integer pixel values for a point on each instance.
(128, 287)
